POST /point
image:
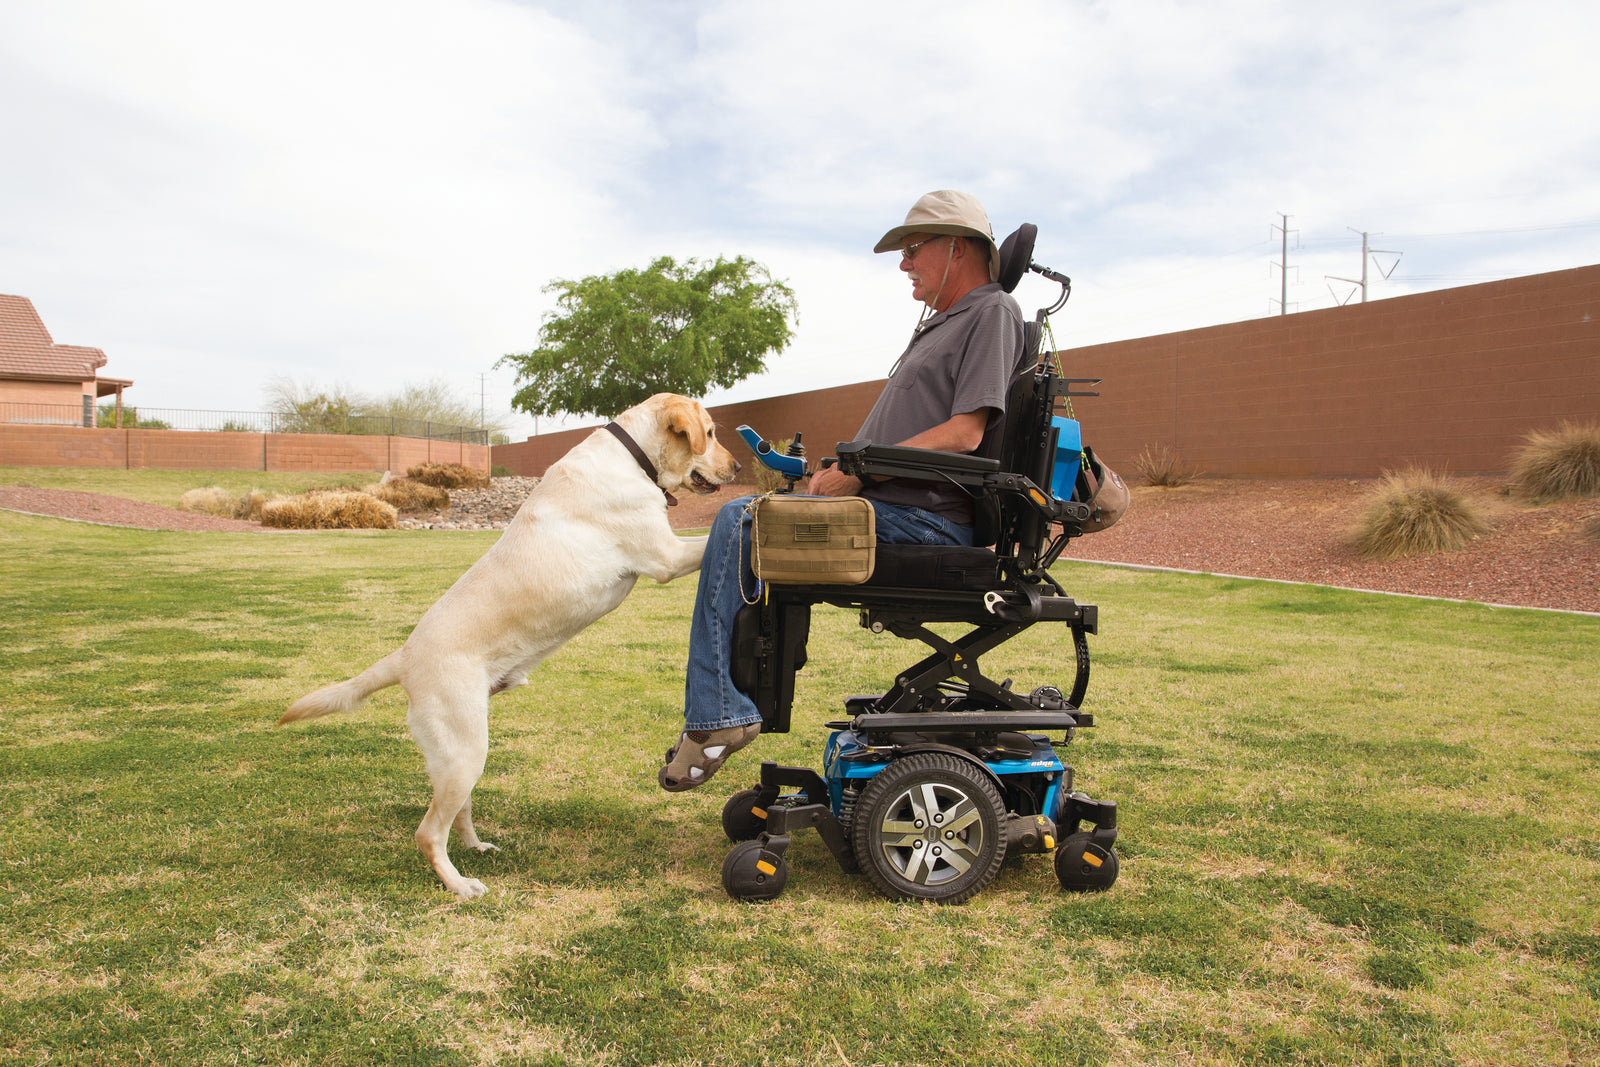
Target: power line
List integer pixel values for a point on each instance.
(1367, 252)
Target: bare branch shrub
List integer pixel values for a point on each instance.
(1161, 465)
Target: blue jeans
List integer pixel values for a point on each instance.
(710, 701)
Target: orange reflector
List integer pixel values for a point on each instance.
(1049, 842)
(1092, 860)
(766, 868)
(1038, 498)
(760, 813)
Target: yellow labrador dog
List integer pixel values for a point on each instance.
(596, 522)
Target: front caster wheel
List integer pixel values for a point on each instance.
(744, 817)
(929, 827)
(1085, 867)
(754, 872)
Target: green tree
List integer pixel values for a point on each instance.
(616, 339)
(106, 415)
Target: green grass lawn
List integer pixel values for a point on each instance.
(165, 487)
(1355, 830)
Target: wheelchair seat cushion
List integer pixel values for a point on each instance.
(935, 567)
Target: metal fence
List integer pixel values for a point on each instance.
(143, 418)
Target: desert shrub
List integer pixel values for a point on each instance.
(249, 506)
(1560, 464)
(208, 500)
(1415, 512)
(406, 495)
(329, 510)
(1160, 465)
(448, 476)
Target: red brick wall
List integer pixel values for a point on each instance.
(52, 446)
(1452, 379)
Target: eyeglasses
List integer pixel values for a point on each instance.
(910, 250)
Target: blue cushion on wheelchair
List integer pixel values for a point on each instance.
(1069, 456)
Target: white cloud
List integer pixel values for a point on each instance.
(375, 192)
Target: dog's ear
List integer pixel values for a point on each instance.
(683, 416)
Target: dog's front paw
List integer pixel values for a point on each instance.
(468, 888)
(484, 846)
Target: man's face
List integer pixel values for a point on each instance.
(925, 258)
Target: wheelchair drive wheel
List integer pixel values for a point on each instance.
(930, 827)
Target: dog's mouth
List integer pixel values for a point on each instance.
(701, 484)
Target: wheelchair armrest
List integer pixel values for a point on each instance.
(921, 464)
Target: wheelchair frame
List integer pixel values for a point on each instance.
(927, 787)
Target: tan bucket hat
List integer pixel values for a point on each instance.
(945, 211)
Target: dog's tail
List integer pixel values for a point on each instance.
(343, 696)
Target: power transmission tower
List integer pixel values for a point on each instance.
(1283, 263)
(1366, 253)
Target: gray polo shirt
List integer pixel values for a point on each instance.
(959, 361)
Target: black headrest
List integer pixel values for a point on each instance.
(1016, 253)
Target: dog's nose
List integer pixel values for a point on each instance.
(737, 466)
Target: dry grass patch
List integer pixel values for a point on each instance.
(1559, 464)
(209, 500)
(1416, 512)
(448, 476)
(407, 495)
(330, 510)
(249, 506)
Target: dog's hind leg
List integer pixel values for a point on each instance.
(468, 833)
(454, 738)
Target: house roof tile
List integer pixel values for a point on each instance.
(27, 351)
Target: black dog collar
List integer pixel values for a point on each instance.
(643, 460)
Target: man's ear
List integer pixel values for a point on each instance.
(683, 416)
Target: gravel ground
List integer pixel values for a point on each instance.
(1292, 530)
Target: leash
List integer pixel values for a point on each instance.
(643, 460)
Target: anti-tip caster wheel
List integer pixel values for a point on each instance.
(1083, 866)
(754, 872)
(929, 827)
(740, 820)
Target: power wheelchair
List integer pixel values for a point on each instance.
(929, 786)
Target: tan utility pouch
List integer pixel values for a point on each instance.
(813, 540)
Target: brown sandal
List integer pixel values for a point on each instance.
(698, 754)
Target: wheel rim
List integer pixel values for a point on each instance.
(931, 833)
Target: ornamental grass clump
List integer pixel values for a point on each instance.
(410, 496)
(448, 476)
(330, 510)
(248, 506)
(208, 500)
(1559, 464)
(1416, 512)
(1161, 465)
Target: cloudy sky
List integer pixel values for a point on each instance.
(375, 192)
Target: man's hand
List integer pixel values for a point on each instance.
(831, 481)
